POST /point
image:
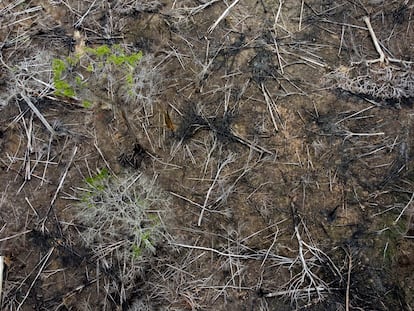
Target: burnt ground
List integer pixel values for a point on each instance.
(284, 154)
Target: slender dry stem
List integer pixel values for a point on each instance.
(43, 263)
(1, 276)
(229, 160)
(62, 180)
(222, 16)
(348, 282)
(404, 209)
(37, 113)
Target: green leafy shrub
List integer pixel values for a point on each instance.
(81, 75)
(64, 85)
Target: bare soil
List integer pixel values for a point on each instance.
(287, 191)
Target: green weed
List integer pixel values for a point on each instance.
(96, 182)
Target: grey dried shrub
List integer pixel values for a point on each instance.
(132, 6)
(383, 82)
(121, 220)
(32, 74)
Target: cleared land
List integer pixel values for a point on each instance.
(206, 155)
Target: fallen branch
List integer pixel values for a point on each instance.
(382, 57)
